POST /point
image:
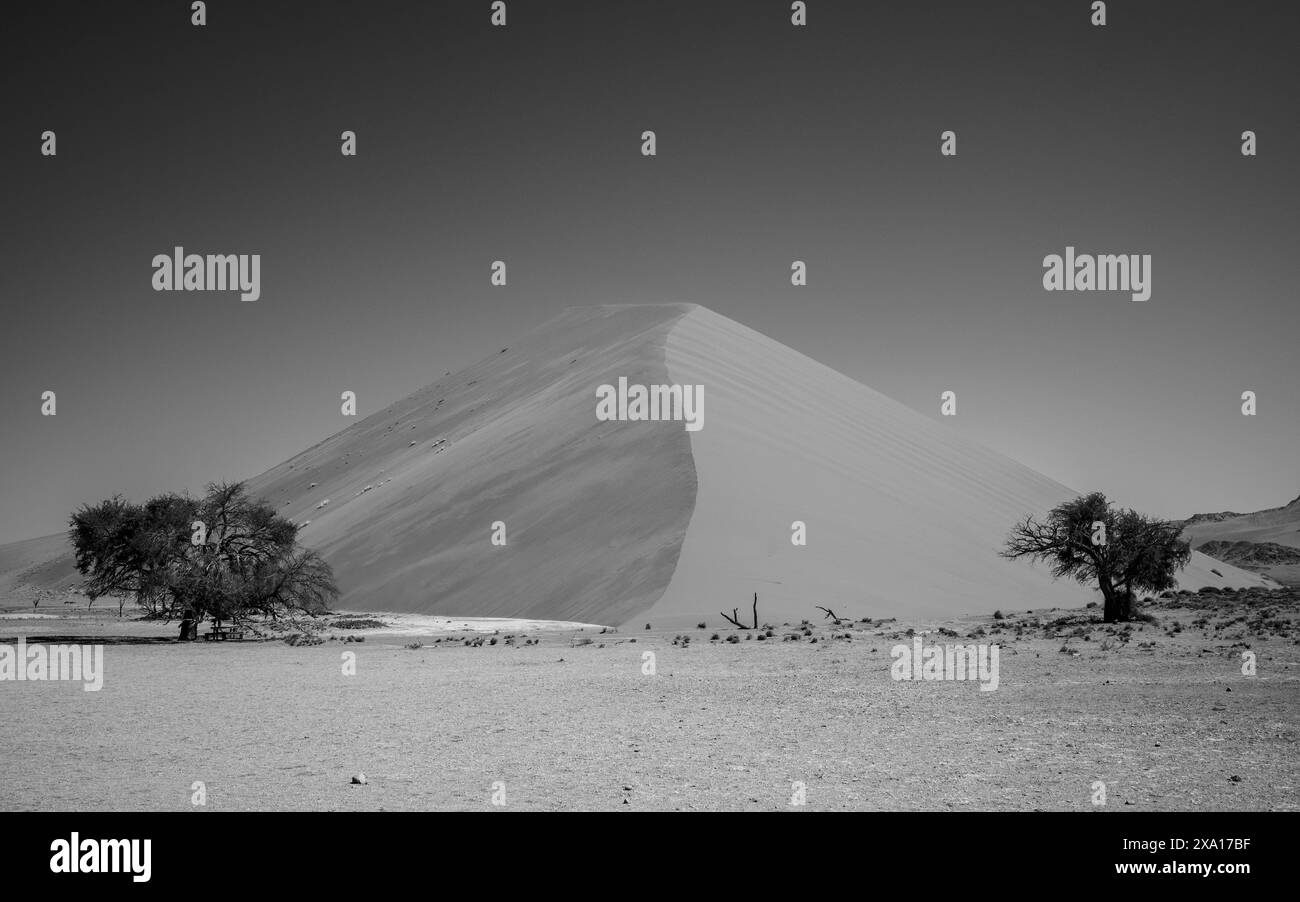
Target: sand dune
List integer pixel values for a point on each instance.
(44, 563)
(625, 522)
(904, 515)
(595, 513)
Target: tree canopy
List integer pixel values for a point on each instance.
(224, 556)
(1089, 539)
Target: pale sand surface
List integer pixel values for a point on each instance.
(719, 726)
(905, 516)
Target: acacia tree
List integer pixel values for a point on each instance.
(224, 556)
(1090, 540)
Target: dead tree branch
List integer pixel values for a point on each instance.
(735, 614)
(734, 619)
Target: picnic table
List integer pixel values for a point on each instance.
(218, 633)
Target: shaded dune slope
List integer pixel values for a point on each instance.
(41, 563)
(595, 512)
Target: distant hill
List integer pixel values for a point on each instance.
(1251, 555)
(1266, 542)
(1287, 513)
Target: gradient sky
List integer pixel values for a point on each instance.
(774, 143)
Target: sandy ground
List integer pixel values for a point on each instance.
(1161, 713)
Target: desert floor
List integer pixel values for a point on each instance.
(1159, 712)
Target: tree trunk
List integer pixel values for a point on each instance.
(1111, 612)
(1125, 602)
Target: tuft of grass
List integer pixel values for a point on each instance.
(358, 623)
(303, 639)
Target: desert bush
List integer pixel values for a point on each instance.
(358, 623)
(303, 639)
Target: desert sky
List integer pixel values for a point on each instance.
(775, 144)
